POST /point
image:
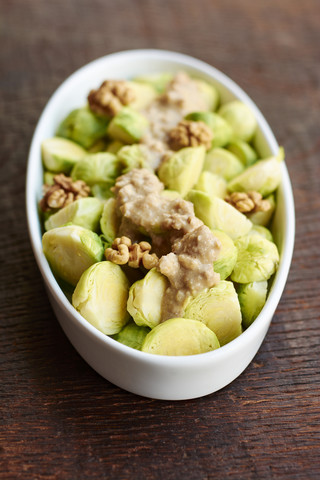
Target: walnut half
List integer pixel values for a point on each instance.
(110, 97)
(63, 192)
(190, 134)
(122, 251)
(248, 202)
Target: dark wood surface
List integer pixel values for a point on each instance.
(59, 419)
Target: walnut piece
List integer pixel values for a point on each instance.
(248, 202)
(110, 97)
(123, 251)
(63, 192)
(190, 134)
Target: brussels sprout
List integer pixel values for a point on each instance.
(262, 231)
(100, 145)
(128, 126)
(264, 176)
(252, 297)
(85, 212)
(218, 214)
(181, 171)
(180, 336)
(132, 156)
(101, 297)
(109, 222)
(114, 146)
(241, 118)
(218, 308)
(145, 299)
(60, 154)
(243, 151)
(144, 95)
(170, 194)
(70, 250)
(48, 178)
(222, 132)
(83, 126)
(102, 190)
(212, 184)
(222, 162)
(227, 255)
(258, 259)
(97, 168)
(263, 218)
(158, 81)
(209, 93)
(132, 335)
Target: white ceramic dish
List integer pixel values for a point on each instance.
(161, 377)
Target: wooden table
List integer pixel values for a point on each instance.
(59, 419)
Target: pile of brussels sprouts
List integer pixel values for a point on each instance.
(126, 304)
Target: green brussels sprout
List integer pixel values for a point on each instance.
(158, 81)
(101, 297)
(109, 222)
(102, 190)
(144, 95)
(263, 177)
(218, 308)
(261, 217)
(181, 171)
(85, 212)
(70, 250)
(252, 297)
(218, 214)
(48, 178)
(132, 156)
(97, 168)
(180, 336)
(222, 162)
(99, 146)
(132, 335)
(209, 93)
(128, 126)
(241, 119)
(114, 146)
(212, 184)
(258, 259)
(262, 231)
(227, 255)
(243, 151)
(60, 154)
(222, 132)
(83, 127)
(145, 299)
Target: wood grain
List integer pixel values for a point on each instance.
(59, 419)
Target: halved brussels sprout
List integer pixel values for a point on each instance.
(209, 93)
(109, 222)
(158, 81)
(60, 154)
(144, 95)
(102, 190)
(241, 118)
(101, 297)
(212, 184)
(132, 335)
(244, 152)
(97, 168)
(222, 162)
(262, 231)
(263, 177)
(263, 217)
(227, 255)
(218, 214)
(132, 156)
(85, 212)
(70, 250)
(83, 126)
(114, 146)
(145, 299)
(48, 178)
(218, 308)
(128, 126)
(99, 146)
(252, 297)
(180, 336)
(181, 171)
(222, 132)
(258, 259)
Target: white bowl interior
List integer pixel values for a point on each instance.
(173, 373)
